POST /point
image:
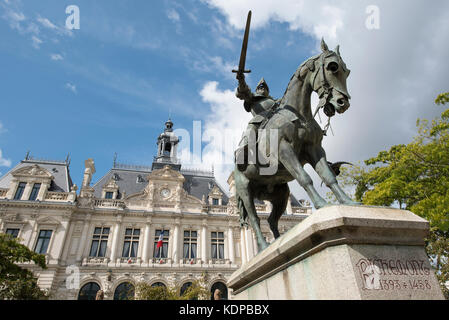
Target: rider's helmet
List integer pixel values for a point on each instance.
(262, 88)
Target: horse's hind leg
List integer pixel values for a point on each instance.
(279, 201)
(289, 159)
(246, 195)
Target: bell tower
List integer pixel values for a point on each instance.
(167, 144)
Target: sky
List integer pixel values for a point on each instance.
(109, 86)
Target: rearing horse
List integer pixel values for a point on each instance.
(299, 142)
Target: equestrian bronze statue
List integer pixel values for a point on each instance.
(297, 139)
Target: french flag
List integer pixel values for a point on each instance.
(160, 240)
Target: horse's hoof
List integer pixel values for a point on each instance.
(322, 204)
(353, 203)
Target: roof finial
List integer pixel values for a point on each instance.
(27, 156)
(115, 160)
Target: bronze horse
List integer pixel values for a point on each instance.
(299, 142)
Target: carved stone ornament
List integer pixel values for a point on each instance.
(32, 171)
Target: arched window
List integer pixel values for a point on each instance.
(158, 284)
(223, 290)
(125, 291)
(88, 291)
(184, 287)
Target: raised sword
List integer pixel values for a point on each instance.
(241, 70)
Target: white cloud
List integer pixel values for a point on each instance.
(397, 71)
(4, 162)
(46, 23)
(223, 126)
(36, 42)
(71, 87)
(173, 15)
(56, 57)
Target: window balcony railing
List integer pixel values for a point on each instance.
(129, 261)
(95, 260)
(56, 196)
(190, 261)
(218, 209)
(160, 260)
(109, 203)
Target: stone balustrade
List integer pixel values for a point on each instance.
(56, 196)
(109, 203)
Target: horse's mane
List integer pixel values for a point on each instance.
(298, 72)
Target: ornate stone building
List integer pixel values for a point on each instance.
(161, 224)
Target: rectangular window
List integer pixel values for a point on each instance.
(35, 191)
(131, 243)
(20, 190)
(190, 244)
(109, 195)
(161, 252)
(42, 241)
(13, 232)
(99, 242)
(215, 202)
(217, 245)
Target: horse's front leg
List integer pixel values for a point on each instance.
(289, 159)
(319, 163)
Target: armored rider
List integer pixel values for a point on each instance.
(261, 105)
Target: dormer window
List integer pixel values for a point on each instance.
(215, 201)
(19, 191)
(109, 195)
(35, 191)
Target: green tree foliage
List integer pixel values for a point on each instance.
(16, 282)
(197, 291)
(414, 177)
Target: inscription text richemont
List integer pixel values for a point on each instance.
(388, 274)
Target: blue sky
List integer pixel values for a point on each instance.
(109, 86)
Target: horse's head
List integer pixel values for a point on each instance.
(329, 80)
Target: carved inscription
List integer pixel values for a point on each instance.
(391, 274)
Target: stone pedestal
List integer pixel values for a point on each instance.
(343, 252)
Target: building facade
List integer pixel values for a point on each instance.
(161, 224)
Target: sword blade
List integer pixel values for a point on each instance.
(244, 45)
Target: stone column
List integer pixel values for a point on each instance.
(33, 234)
(64, 227)
(27, 191)
(146, 241)
(231, 245)
(117, 229)
(84, 236)
(204, 241)
(249, 244)
(244, 254)
(289, 205)
(12, 189)
(42, 191)
(176, 241)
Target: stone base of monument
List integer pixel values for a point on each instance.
(343, 252)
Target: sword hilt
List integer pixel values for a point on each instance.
(244, 71)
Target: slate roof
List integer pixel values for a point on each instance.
(132, 181)
(62, 181)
